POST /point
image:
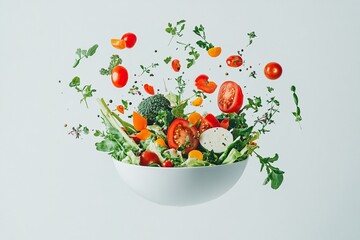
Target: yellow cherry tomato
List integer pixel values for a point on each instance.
(196, 154)
(214, 52)
(194, 118)
(160, 142)
(197, 102)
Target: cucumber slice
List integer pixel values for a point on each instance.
(216, 139)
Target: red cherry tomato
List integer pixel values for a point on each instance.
(273, 70)
(234, 61)
(175, 64)
(119, 76)
(230, 97)
(135, 138)
(130, 39)
(180, 133)
(225, 123)
(202, 83)
(167, 163)
(209, 121)
(149, 89)
(148, 157)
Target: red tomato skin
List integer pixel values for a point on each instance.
(230, 97)
(130, 39)
(149, 89)
(167, 163)
(273, 70)
(234, 61)
(202, 83)
(119, 76)
(175, 64)
(174, 139)
(225, 123)
(209, 121)
(148, 158)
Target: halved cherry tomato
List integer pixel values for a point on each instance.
(180, 133)
(120, 109)
(167, 163)
(214, 52)
(149, 89)
(230, 97)
(118, 43)
(234, 61)
(202, 83)
(194, 118)
(225, 123)
(175, 64)
(119, 76)
(273, 70)
(209, 121)
(196, 154)
(130, 39)
(148, 157)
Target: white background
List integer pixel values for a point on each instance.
(53, 186)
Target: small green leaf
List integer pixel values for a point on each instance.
(77, 61)
(167, 60)
(92, 50)
(276, 180)
(98, 133)
(296, 100)
(293, 88)
(86, 130)
(78, 52)
(75, 82)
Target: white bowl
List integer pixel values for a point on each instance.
(180, 186)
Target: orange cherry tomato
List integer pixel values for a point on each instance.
(175, 64)
(118, 43)
(234, 61)
(149, 89)
(214, 52)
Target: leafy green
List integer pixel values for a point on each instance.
(200, 31)
(175, 29)
(148, 68)
(178, 111)
(77, 131)
(211, 157)
(167, 60)
(125, 104)
(274, 174)
(254, 104)
(81, 53)
(251, 36)
(115, 60)
(193, 54)
(253, 74)
(270, 89)
(86, 91)
(297, 113)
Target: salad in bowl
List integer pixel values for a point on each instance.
(165, 140)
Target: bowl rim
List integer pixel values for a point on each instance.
(177, 168)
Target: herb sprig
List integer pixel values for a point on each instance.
(251, 36)
(148, 68)
(115, 60)
(77, 131)
(168, 59)
(86, 91)
(193, 54)
(175, 29)
(200, 31)
(83, 53)
(297, 113)
(274, 174)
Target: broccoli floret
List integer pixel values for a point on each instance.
(151, 107)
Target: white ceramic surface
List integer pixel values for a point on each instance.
(180, 186)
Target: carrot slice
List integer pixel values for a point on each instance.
(143, 134)
(139, 121)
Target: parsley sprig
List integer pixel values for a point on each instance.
(251, 36)
(192, 53)
(115, 60)
(148, 68)
(175, 29)
(86, 91)
(297, 113)
(200, 31)
(83, 53)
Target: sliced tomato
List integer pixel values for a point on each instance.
(225, 123)
(175, 64)
(230, 97)
(149, 89)
(202, 83)
(181, 134)
(209, 121)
